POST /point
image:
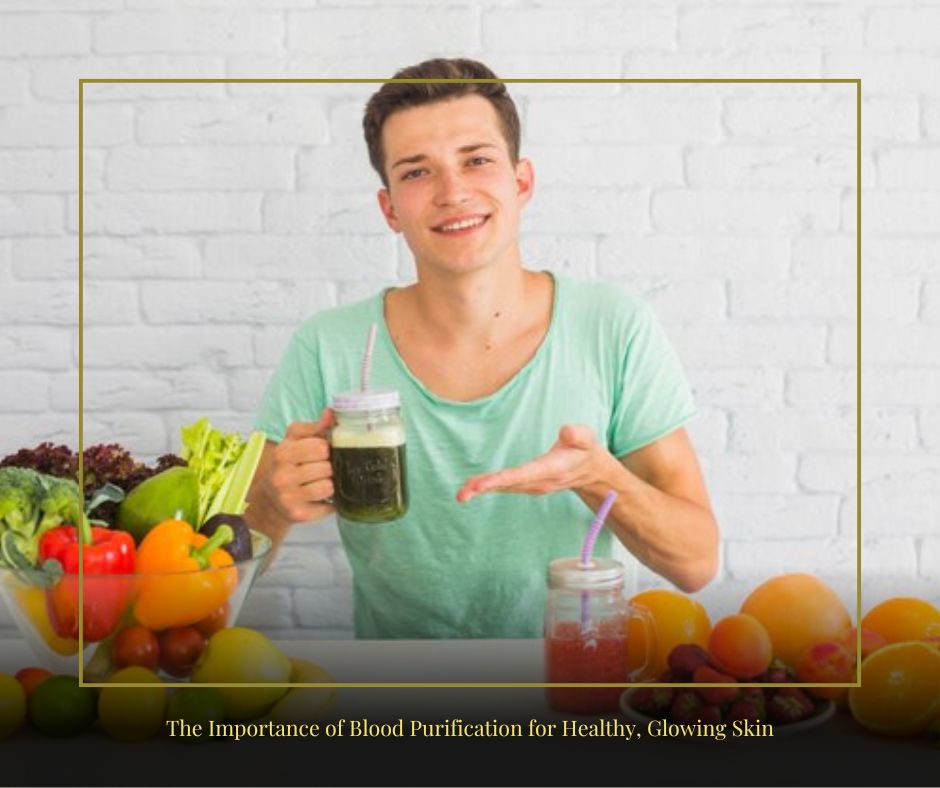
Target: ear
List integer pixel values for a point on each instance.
(388, 210)
(525, 181)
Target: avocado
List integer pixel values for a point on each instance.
(173, 493)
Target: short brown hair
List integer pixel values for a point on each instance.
(395, 96)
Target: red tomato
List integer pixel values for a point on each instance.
(213, 622)
(180, 649)
(31, 678)
(135, 646)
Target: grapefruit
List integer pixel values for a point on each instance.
(798, 611)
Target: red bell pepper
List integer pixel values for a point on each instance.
(108, 565)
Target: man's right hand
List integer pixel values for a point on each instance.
(294, 481)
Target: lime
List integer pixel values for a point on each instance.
(196, 706)
(60, 707)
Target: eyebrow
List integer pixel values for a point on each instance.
(463, 149)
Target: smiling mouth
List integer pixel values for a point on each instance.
(461, 226)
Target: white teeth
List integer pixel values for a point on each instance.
(463, 225)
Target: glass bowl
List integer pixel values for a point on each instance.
(47, 615)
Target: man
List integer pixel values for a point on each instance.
(571, 389)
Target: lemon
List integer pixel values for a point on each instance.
(12, 705)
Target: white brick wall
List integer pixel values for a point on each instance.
(217, 216)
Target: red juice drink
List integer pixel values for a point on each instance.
(598, 655)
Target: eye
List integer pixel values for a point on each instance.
(478, 161)
(412, 174)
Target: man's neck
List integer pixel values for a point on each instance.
(475, 310)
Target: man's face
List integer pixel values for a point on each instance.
(453, 190)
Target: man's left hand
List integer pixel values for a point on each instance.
(574, 462)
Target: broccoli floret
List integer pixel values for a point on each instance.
(21, 490)
(59, 504)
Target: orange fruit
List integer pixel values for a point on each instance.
(677, 619)
(903, 618)
(900, 690)
(798, 611)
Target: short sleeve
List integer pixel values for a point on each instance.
(295, 391)
(652, 397)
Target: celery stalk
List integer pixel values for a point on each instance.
(231, 496)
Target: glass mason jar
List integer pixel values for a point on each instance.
(587, 626)
(367, 451)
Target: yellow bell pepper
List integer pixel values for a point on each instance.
(32, 602)
(184, 576)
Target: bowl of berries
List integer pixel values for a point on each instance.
(716, 702)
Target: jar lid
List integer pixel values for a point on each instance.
(600, 575)
(373, 399)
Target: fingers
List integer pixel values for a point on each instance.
(303, 450)
(310, 472)
(307, 441)
(524, 478)
(307, 512)
(561, 468)
(311, 429)
(308, 501)
(300, 479)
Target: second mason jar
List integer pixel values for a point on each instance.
(587, 629)
(367, 450)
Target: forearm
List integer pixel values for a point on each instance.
(676, 538)
(263, 516)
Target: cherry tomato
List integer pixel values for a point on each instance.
(135, 646)
(213, 622)
(180, 649)
(31, 678)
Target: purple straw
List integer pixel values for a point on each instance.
(586, 551)
(595, 528)
(367, 359)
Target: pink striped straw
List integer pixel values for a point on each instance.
(367, 359)
(595, 528)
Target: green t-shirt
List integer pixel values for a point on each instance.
(450, 570)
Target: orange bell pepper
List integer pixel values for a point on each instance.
(185, 576)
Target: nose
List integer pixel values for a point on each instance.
(452, 188)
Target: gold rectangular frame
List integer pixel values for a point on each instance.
(858, 362)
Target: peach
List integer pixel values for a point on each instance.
(827, 663)
(739, 645)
